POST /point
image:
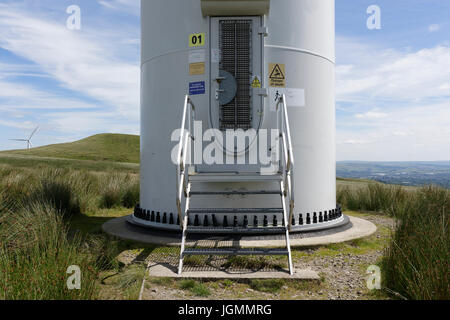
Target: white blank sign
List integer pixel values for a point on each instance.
(295, 97)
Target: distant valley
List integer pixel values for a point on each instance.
(120, 148)
(401, 173)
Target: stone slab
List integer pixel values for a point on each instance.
(164, 271)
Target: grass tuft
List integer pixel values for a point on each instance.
(374, 197)
(197, 288)
(35, 252)
(269, 285)
(417, 261)
(417, 257)
(252, 263)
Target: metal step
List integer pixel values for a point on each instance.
(235, 251)
(232, 230)
(234, 210)
(230, 193)
(232, 177)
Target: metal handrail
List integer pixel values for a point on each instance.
(185, 136)
(288, 165)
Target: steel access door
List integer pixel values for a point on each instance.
(236, 80)
(235, 64)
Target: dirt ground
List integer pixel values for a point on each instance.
(342, 268)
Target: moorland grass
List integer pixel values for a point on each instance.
(119, 190)
(14, 161)
(35, 252)
(37, 247)
(417, 258)
(71, 191)
(267, 285)
(197, 288)
(375, 197)
(36, 244)
(101, 147)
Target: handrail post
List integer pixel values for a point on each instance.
(182, 156)
(288, 162)
(183, 124)
(182, 163)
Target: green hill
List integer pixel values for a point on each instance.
(101, 147)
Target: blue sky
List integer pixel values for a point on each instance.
(393, 84)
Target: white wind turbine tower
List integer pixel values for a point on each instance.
(28, 141)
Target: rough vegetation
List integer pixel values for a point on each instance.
(50, 219)
(70, 191)
(37, 244)
(417, 259)
(35, 252)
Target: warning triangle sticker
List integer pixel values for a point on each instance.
(256, 83)
(277, 73)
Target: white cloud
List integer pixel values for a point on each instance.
(353, 141)
(17, 124)
(131, 6)
(374, 114)
(134, 41)
(20, 70)
(444, 87)
(421, 132)
(15, 96)
(393, 75)
(434, 28)
(81, 61)
(412, 93)
(96, 72)
(402, 133)
(79, 122)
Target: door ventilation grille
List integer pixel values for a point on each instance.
(236, 48)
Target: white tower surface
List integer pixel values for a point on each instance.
(235, 60)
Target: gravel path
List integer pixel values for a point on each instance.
(343, 272)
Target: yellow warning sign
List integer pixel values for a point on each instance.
(256, 83)
(277, 75)
(197, 69)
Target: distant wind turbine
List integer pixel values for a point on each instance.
(28, 141)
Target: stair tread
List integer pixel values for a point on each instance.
(235, 210)
(232, 177)
(249, 229)
(234, 251)
(250, 192)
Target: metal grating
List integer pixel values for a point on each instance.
(236, 48)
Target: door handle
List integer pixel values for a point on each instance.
(218, 91)
(227, 87)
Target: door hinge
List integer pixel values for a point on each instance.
(263, 92)
(263, 31)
